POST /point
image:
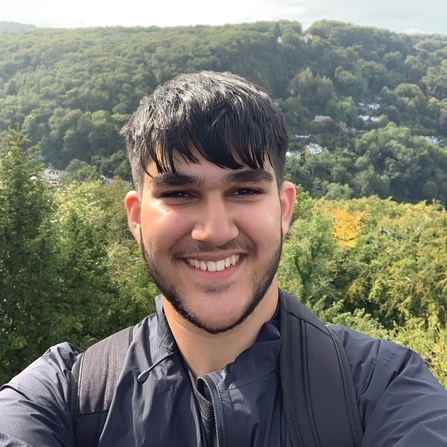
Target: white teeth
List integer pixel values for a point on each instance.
(212, 266)
(220, 265)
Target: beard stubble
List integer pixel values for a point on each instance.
(260, 284)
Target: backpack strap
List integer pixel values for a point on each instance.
(318, 391)
(94, 379)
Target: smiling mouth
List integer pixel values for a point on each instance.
(212, 266)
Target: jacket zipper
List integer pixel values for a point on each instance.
(218, 411)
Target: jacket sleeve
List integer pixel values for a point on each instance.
(34, 406)
(401, 404)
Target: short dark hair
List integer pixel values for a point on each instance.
(227, 118)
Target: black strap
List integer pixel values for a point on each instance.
(95, 376)
(318, 392)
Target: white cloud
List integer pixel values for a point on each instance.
(417, 31)
(398, 15)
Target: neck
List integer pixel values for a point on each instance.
(205, 352)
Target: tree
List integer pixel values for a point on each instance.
(374, 265)
(314, 91)
(349, 84)
(414, 69)
(442, 124)
(80, 170)
(104, 281)
(375, 74)
(27, 256)
(411, 101)
(68, 267)
(436, 80)
(295, 113)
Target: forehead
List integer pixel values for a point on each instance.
(204, 170)
(229, 178)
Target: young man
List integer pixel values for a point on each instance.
(210, 209)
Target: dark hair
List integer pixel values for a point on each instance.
(227, 118)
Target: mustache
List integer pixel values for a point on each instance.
(201, 247)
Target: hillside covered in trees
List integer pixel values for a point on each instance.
(380, 98)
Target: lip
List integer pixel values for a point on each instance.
(213, 257)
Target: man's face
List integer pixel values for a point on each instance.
(211, 239)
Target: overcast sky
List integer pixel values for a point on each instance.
(398, 15)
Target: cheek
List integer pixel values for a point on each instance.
(162, 226)
(262, 224)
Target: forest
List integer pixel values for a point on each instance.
(381, 97)
(367, 244)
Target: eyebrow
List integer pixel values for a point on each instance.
(248, 176)
(170, 179)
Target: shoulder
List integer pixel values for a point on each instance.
(34, 404)
(378, 360)
(53, 367)
(366, 354)
(399, 399)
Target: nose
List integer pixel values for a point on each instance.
(215, 222)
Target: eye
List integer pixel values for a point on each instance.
(247, 192)
(176, 195)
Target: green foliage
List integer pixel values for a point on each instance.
(69, 269)
(81, 171)
(27, 254)
(376, 266)
(388, 161)
(72, 91)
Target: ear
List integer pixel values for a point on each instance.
(132, 203)
(287, 198)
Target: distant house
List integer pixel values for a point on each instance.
(432, 140)
(293, 154)
(53, 176)
(362, 104)
(306, 38)
(322, 118)
(365, 118)
(303, 135)
(373, 106)
(314, 149)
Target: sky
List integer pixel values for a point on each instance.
(426, 16)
